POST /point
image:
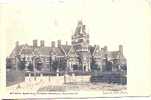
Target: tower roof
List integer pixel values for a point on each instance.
(80, 22)
(80, 28)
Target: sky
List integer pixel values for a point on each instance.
(108, 22)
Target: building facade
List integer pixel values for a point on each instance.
(79, 56)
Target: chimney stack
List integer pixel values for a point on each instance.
(59, 43)
(17, 43)
(121, 49)
(105, 48)
(42, 43)
(53, 44)
(66, 43)
(35, 43)
(102, 50)
(98, 47)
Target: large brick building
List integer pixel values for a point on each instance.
(79, 56)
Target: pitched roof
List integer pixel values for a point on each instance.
(72, 52)
(97, 51)
(12, 55)
(91, 48)
(15, 50)
(113, 54)
(26, 51)
(57, 51)
(44, 50)
(66, 48)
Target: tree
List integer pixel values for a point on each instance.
(21, 65)
(109, 66)
(55, 65)
(94, 66)
(62, 65)
(50, 63)
(80, 63)
(30, 67)
(8, 63)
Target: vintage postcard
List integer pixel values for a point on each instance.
(75, 48)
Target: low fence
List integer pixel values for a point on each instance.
(58, 79)
(60, 73)
(14, 77)
(109, 77)
(79, 76)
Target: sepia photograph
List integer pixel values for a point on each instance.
(75, 48)
(64, 67)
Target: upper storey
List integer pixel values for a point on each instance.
(80, 39)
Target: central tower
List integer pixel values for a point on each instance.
(80, 42)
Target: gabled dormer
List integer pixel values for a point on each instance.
(97, 52)
(72, 53)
